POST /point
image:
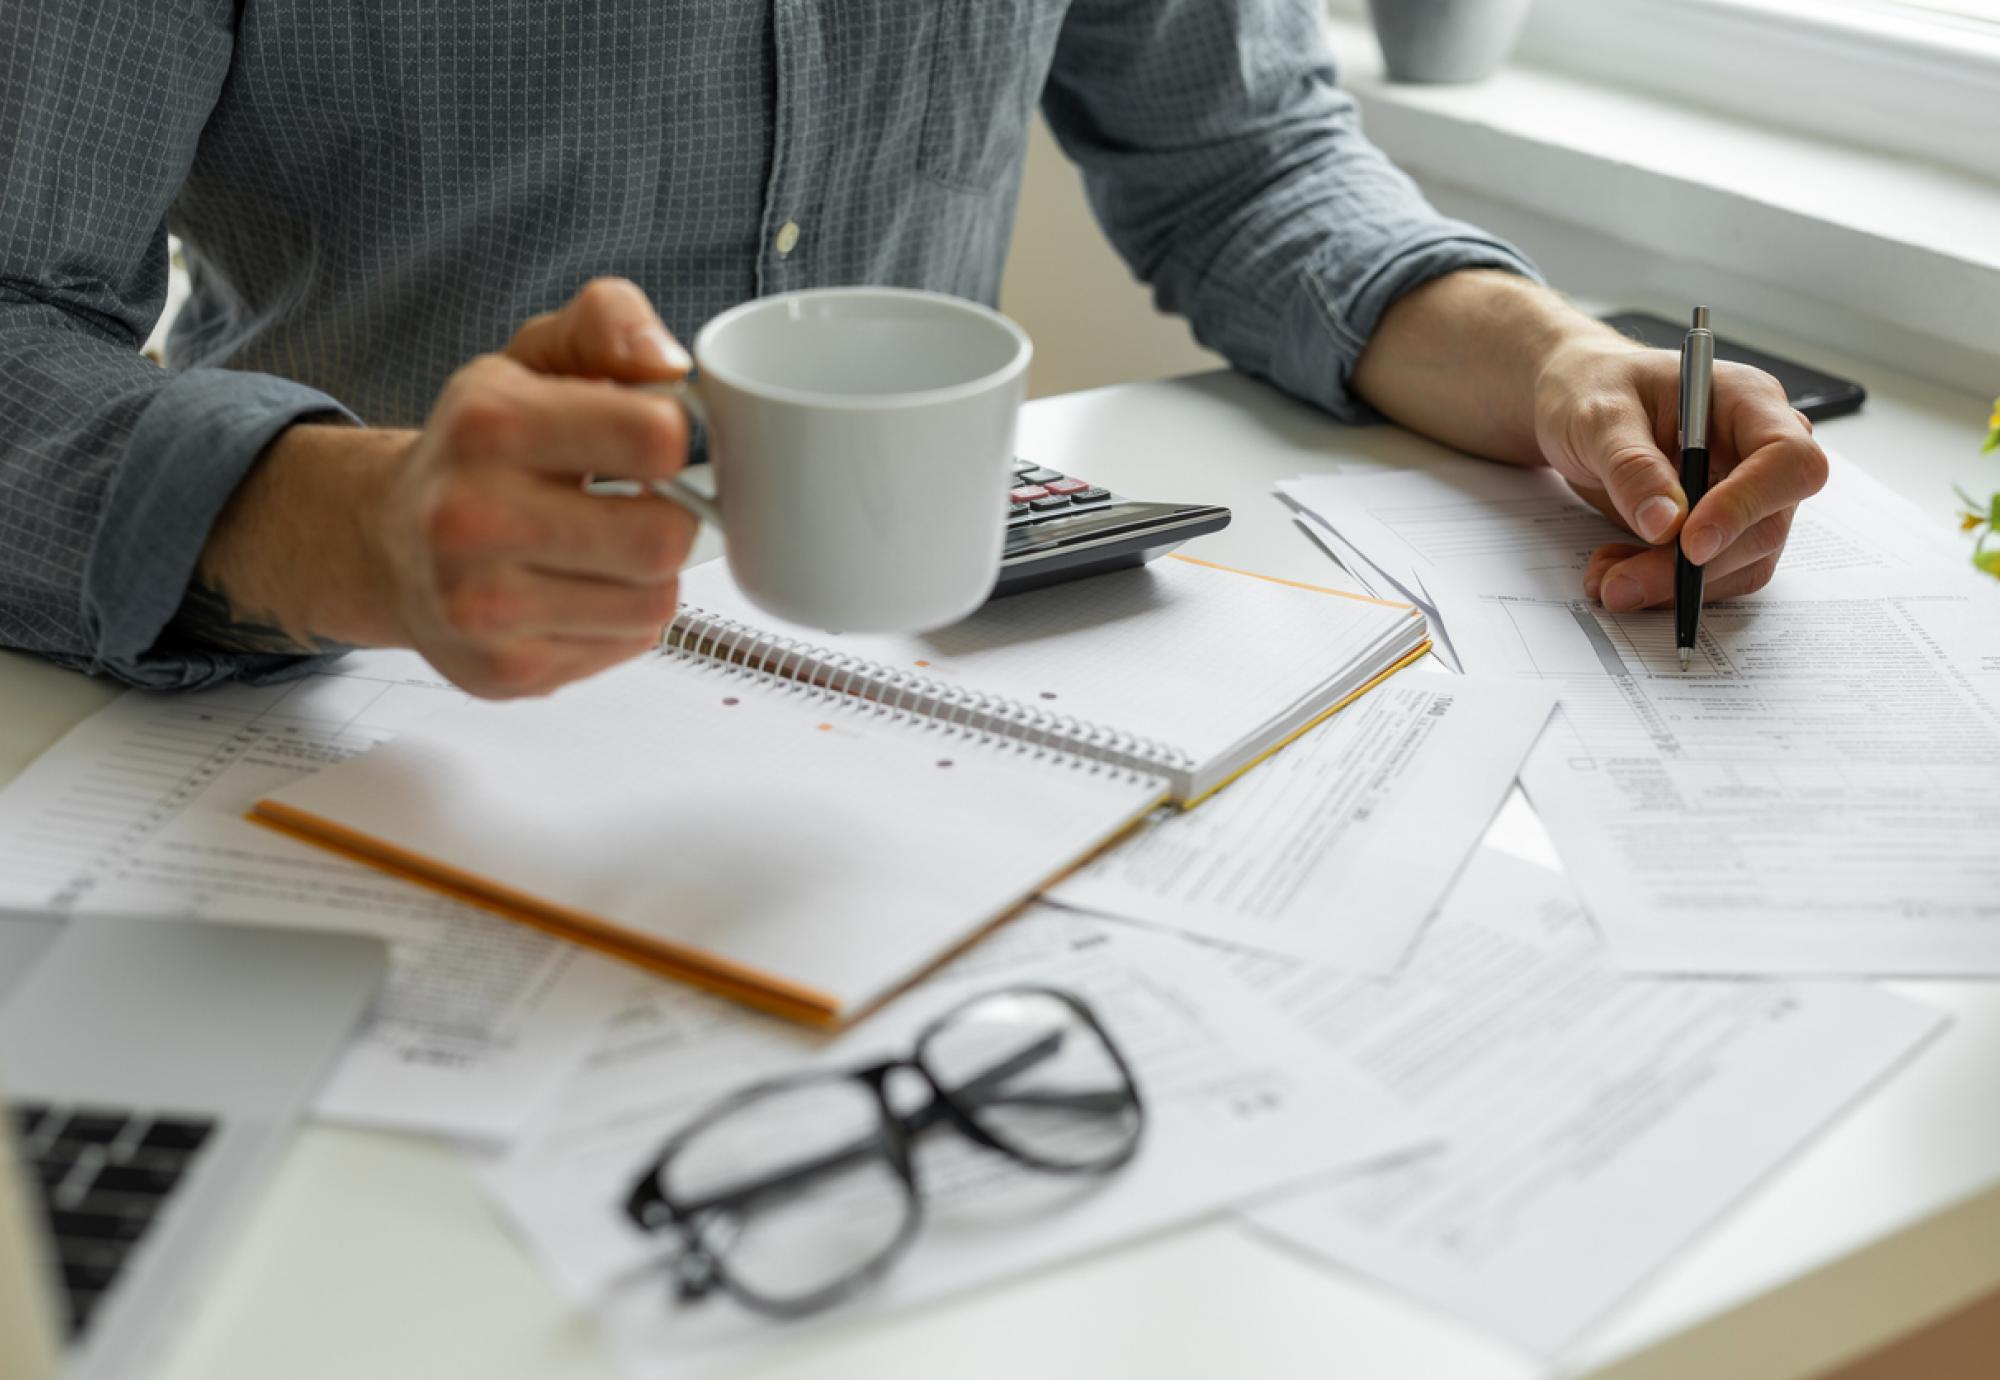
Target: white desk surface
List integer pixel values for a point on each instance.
(376, 1255)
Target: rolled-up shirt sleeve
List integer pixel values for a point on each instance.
(1231, 173)
(112, 470)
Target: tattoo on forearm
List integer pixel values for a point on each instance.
(207, 619)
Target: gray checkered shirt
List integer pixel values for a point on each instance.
(373, 191)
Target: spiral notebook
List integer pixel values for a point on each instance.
(808, 821)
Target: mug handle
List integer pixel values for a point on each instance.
(702, 505)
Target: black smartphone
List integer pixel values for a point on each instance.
(1818, 395)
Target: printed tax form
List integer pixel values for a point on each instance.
(1812, 797)
(1815, 797)
(1338, 848)
(1474, 520)
(138, 810)
(1239, 1101)
(1596, 1122)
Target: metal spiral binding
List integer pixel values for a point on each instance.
(852, 682)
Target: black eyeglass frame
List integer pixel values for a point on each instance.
(700, 1267)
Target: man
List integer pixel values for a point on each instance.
(422, 233)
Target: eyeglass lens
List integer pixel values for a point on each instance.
(1030, 1071)
(795, 1191)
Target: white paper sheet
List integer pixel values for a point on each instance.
(1321, 505)
(138, 811)
(1816, 796)
(1338, 848)
(1524, 530)
(1180, 662)
(1358, 568)
(1238, 1101)
(1596, 1123)
(817, 840)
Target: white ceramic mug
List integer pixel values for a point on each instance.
(862, 441)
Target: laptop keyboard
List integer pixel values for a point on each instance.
(104, 1174)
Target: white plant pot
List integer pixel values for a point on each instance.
(1446, 40)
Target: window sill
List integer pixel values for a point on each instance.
(1881, 255)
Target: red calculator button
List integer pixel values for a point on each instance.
(1067, 486)
(1027, 494)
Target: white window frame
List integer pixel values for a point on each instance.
(1924, 85)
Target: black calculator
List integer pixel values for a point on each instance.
(1063, 528)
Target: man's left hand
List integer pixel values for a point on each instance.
(1607, 418)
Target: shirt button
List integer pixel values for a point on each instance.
(788, 238)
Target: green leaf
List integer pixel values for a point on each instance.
(1993, 512)
(1989, 561)
(1992, 442)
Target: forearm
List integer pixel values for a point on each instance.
(292, 563)
(112, 472)
(1251, 200)
(1502, 368)
(1459, 359)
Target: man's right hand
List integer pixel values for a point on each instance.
(472, 541)
(506, 575)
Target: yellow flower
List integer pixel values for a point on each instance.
(1968, 521)
(1993, 422)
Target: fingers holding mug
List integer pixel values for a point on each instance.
(608, 330)
(675, 489)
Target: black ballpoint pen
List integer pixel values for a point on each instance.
(1697, 379)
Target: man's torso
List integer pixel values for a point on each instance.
(388, 187)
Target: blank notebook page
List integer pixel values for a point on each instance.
(1192, 655)
(822, 843)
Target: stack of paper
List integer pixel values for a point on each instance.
(1594, 1123)
(1410, 533)
(1814, 796)
(1441, 1074)
(1239, 1101)
(139, 811)
(1463, 1132)
(1339, 848)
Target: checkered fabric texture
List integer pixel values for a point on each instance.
(371, 192)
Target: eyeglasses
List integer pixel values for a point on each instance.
(793, 1194)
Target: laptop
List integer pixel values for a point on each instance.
(153, 1071)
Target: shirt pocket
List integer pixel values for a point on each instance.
(988, 63)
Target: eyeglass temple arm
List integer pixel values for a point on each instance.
(979, 1089)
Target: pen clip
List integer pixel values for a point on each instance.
(1697, 382)
(1682, 440)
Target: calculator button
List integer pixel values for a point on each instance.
(1092, 495)
(1028, 493)
(1023, 466)
(1040, 476)
(1043, 505)
(1015, 510)
(169, 1133)
(1066, 486)
(95, 1128)
(92, 1221)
